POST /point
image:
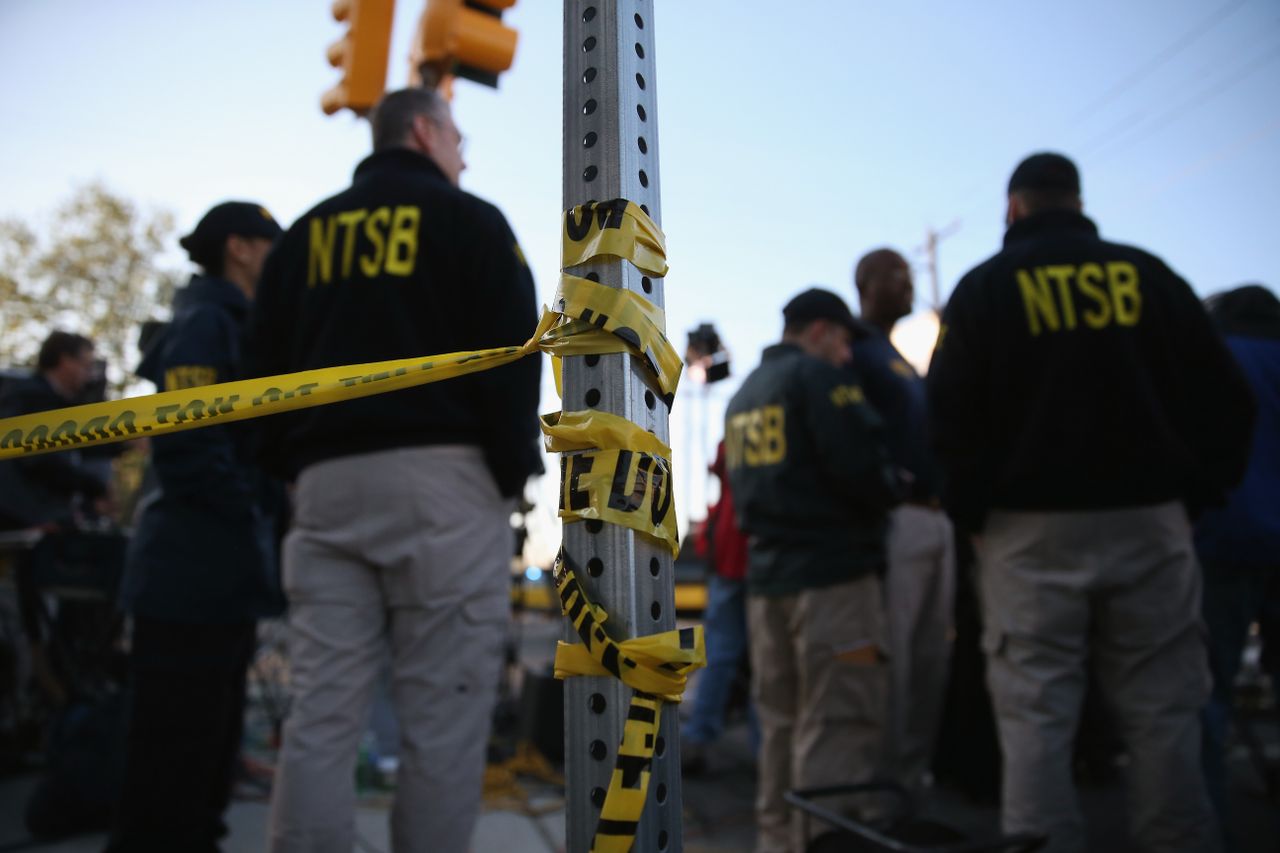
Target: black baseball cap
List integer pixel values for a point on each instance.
(241, 218)
(1045, 171)
(818, 304)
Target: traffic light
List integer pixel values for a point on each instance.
(463, 38)
(361, 55)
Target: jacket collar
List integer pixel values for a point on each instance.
(1048, 221)
(210, 289)
(779, 350)
(397, 160)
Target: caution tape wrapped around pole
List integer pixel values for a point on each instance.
(615, 471)
(612, 469)
(656, 667)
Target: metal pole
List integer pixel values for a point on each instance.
(611, 151)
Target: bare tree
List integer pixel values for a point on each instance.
(94, 269)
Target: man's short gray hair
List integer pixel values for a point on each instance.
(392, 118)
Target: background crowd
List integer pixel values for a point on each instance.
(1097, 448)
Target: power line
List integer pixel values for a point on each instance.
(1199, 29)
(1144, 71)
(1171, 115)
(1264, 35)
(1230, 149)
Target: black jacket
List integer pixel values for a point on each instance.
(40, 489)
(204, 546)
(811, 478)
(897, 393)
(1072, 374)
(402, 264)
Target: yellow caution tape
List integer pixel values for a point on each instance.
(576, 337)
(617, 472)
(627, 315)
(588, 430)
(617, 228)
(195, 407)
(651, 651)
(192, 408)
(628, 487)
(614, 471)
(656, 667)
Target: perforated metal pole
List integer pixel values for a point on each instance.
(611, 151)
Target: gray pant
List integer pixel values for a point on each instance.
(920, 593)
(1120, 590)
(819, 686)
(411, 548)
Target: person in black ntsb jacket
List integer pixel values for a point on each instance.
(812, 486)
(401, 531)
(201, 566)
(1080, 403)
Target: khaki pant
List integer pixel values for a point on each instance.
(820, 694)
(1118, 591)
(409, 548)
(920, 592)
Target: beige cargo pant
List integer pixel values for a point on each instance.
(1120, 589)
(409, 549)
(920, 588)
(819, 684)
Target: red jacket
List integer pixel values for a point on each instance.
(720, 536)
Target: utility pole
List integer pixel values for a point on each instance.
(611, 151)
(930, 249)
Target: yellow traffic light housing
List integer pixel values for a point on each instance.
(361, 55)
(463, 38)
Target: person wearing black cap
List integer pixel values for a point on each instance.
(401, 539)
(1082, 407)
(813, 484)
(201, 565)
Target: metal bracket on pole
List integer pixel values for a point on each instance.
(611, 151)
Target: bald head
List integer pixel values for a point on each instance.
(885, 291)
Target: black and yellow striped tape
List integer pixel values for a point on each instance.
(656, 667)
(614, 471)
(616, 228)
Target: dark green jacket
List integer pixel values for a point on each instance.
(810, 474)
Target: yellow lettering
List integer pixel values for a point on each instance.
(1089, 278)
(402, 243)
(189, 376)
(320, 258)
(774, 434)
(752, 439)
(733, 442)
(349, 220)
(847, 395)
(757, 437)
(1038, 301)
(1061, 273)
(1123, 280)
(374, 227)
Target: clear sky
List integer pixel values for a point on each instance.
(794, 135)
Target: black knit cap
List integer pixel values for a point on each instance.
(241, 218)
(818, 304)
(1045, 171)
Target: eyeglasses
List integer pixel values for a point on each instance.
(461, 140)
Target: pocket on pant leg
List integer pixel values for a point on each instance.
(843, 653)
